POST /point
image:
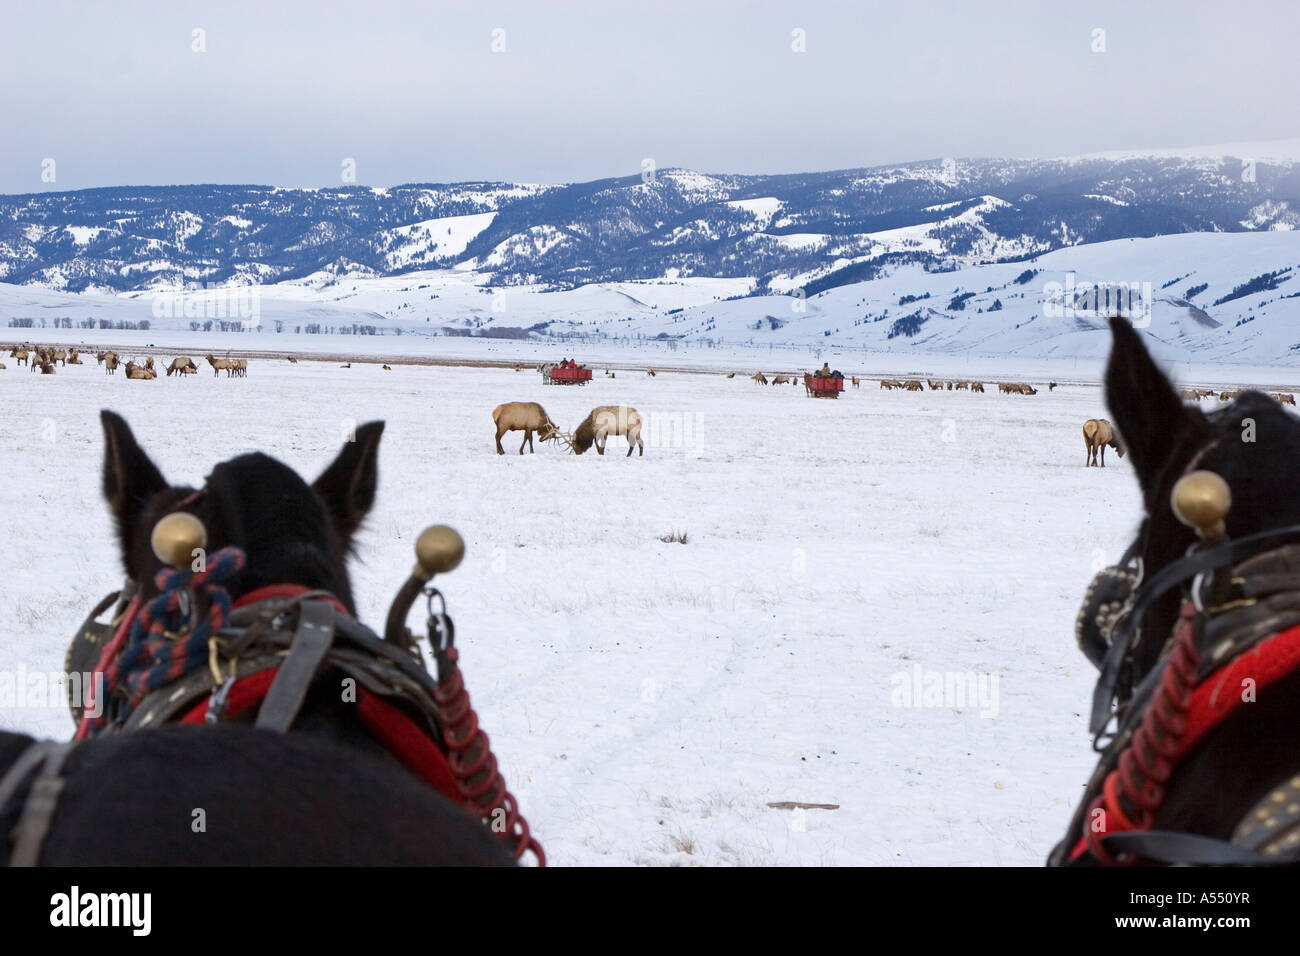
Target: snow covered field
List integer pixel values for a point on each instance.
(647, 700)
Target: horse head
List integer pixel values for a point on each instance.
(291, 532)
(1202, 614)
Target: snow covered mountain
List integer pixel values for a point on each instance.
(1201, 297)
(813, 231)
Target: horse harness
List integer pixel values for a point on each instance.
(264, 659)
(1239, 621)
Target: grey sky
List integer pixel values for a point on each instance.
(287, 89)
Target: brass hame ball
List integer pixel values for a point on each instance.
(1202, 500)
(439, 549)
(175, 538)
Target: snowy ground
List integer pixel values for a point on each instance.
(647, 699)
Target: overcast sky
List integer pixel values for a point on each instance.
(286, 90)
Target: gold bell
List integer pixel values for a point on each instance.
(439, 549)
(1202, 500)
(175, 538)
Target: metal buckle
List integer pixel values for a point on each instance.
(217, 702)
(441, 636)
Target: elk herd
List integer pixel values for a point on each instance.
(1196, 394)
(46, 358)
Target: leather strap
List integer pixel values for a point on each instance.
(42, 799)
(1167, 846)
(311, 642)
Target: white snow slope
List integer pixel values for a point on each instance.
(999, 316)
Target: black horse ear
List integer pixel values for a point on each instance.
(1153, 422)
(130, 479)
(348, 485)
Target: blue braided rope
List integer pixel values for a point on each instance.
(149, 658)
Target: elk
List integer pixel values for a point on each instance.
(294, 361)
(934, 386)
(111, 362)
(1286, 398)
(139, 372)
(961, 386)
(219, 365)
(526, 417)
(148, 363)
(1229, 396)
(74, 358)
(781, 380)
(1097, 434)
(760, 378)
(606, 420)
(650, 372)
(58, 356)
(19, 354)
(387, 368)
(731, 375)
(181, 365)
(855, 380)
(977, 386)
(912, 385)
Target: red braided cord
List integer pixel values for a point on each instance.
(475, 766)
(1149, 760)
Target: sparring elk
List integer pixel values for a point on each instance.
(606, 420)
(526, 417)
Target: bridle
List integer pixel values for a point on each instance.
(1236, 595)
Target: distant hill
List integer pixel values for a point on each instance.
(812, 231)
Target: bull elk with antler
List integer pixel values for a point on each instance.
(606, 420)
(526, 417)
